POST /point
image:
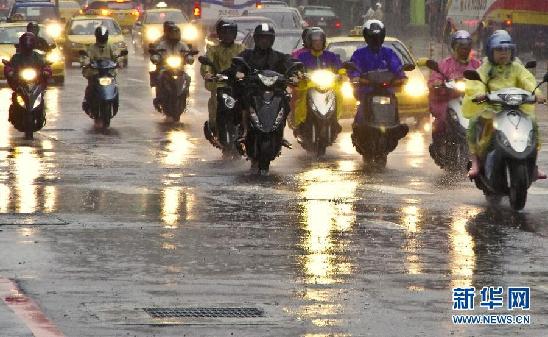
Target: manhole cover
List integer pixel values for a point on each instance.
(204, 312)
(18, 219)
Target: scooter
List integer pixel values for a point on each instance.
(173, 82)
(450, 152)
(268, 101)
(321, 127)
(509, 165)
(381, 130)
(103, 102)
(27, 113)
(228, 115)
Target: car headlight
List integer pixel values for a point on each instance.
(190, 33)
(53, 57)
(153, 34)
(174, 61)
(415, 88)
(20, 101)
(323, 79)
(347, 90)
(268, 80)
(105, 81)
(54, 30)
(28, 74)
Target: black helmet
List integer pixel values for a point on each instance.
(261, 31)
(374, 33)
(34, 28)
(303, 35)
(101, 34)
(226, 31)
(167, 25)
(315, 31)
(27, 43)
(173, 34)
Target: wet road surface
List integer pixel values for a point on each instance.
(95, 227)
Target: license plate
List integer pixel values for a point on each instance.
(322, 23)
(383, 100)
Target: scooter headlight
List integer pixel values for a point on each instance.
(229, 101)
(105, 81)
(415, 88)
(347, 90)
(20, 101)
(268, 80)
(513, 99)
(323, 79)
(174, 61)
(460, 86)
(28, 74)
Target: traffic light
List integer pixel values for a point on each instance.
(197, 11)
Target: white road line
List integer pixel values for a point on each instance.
(136, 80)
(394, 190)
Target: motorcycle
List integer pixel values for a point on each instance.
(450, 152)
(321, 127)
(381, 129)
(27, 113)
(510, 161)
(268, 111)
(228, 115)
(173, 82)
(103, 102)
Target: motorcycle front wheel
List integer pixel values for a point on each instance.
(106, 113)
(519, 183)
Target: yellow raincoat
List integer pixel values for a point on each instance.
(502, 76)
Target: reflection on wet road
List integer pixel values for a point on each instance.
(156, 218)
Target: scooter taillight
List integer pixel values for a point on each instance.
(385, 85)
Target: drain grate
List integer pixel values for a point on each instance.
(204, 312)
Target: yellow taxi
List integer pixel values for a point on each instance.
(68, 9)
(125, 12)
(412, 97)
(80, 34)
(9, 36)
(149, 28)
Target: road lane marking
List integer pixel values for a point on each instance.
(538, 191)
(136, 80)
(27, 310)
(393, 189)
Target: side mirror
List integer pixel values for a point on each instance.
(52, 46)
(432, 65)
(472, 75)
(123, 52)
(421, 61)
(408, 67)
(531, 65)
(545, 78)
(205, 61)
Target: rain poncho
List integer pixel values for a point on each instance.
(98, 51)
(453, 70)
(312, 61)
(502, 76)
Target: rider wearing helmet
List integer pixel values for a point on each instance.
(100, 50)
(374, 57)
(501, 71)
(295, 54)
(316, 57)
(453, 68)
(41, 43)
(170, 44)
(221, 55)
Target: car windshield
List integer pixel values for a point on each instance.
(287, 43)
(246, 26)
(69, 4)
(112, 5)
(10, 35)
(161, 17)
(39, 13)
(87, 27)
(318, 12)
(347, 48)
(283, 20)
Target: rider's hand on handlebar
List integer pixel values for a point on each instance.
(479, 99)
(208, 77)
(541, 99)
(239, 75)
